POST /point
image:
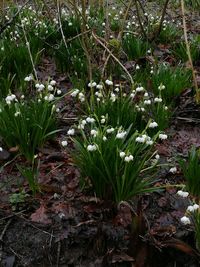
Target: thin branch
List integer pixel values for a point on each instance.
(188, 52)
(139, 20)
(161, 20)
(113, 56)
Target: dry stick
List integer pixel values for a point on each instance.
(60, 24)
(161, 21)
(188, 52)
(29, 51)
(113, 56)
(85, 42)
(139, 20)
(1, 238)
(124, 20)
(105, 65)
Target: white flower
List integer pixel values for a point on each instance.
(137, 67)
(162, 136)
(157, 156)
(59, 92)
(122, 154)
(51, 97)
(71, 132)
(108, 82)
(182, 193)
(173, 170)
(90, 120)
(99, 86)
(128, 158)
(139, 89)
(1, 149)
(149, 142)
(53, 83)
(190, 208)
(103, 120)
(121, 135)
(161, 87)
(132, 95)
(140, 139)
(75, 93)
(91, 147)
(147, 102)
(195, 206)
(104, 138)
(117, 89)
(50, 88)
(185, 220)
(28, 78)
(92, 84)
(81, 97)
(153, 124)
(64, 143)
(112, 97)
(17, 114)
(158, 99)
(110, 130)
(93, 132)
(40, 87)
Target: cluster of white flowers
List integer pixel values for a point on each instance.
(92, 147)
(82, 124)
(75, 93)
(71, 131)
(153, 124)
(121, 134)
(162, 136)
(81, 97)
(161, 87)
(64, 143)
(90, 120)
(144, 139)
(10, 98)
(183, 194)
(39, 86)
(173, 170)
(139, 89)
(127, 158)
(108, 82)
(193, 207)
(157, 99)
(147, 102)
(103, 119)
(28, 78)
(49, 97)
(94, 132)
(185, 220)
(113, 97)
(110, 130)
(92, 84)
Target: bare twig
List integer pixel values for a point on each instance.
(161, 20)
(1, 237)
(98, 39)
(188, 52)
(29, 51)
(139, 20)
